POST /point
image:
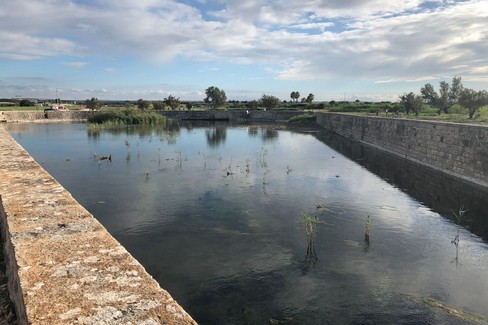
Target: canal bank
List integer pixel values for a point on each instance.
(62, 265)
(460, 150)
(78, 262)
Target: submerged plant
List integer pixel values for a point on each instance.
(310, 225)
(367, 228)
(322, 208)
(262, 157)
(459, 216)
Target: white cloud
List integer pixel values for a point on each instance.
(77, 65)
(20, 46)
(308, 40)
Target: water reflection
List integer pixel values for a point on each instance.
(440, 192)
(216, 136)
(167, 132)
(230, 247)
(266, 133)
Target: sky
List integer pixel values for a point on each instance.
(371, 50)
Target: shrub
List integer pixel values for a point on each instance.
(126, 116)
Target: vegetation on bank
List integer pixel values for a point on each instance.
(451, 102)
(124, 116)
(302, 119)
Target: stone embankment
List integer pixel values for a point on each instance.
(239, 116)
(63, 267)
(48, 116)
(460, 150)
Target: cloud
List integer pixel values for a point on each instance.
(307, 40)
(77, 65)
(19, 46)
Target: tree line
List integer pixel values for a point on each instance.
(443, 99)
(446, 97)
(215, 98)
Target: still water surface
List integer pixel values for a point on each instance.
(213, 213)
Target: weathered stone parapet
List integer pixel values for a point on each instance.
(63, 266)
(457, 149)
(48, 116)
(236, 115)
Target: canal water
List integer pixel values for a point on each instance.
(214, 213)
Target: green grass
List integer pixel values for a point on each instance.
(302, 118)
(456, 114)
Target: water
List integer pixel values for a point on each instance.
(213, 213)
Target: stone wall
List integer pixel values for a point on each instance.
(63, 266)
(17, 116)
(457, 149)
(236, 115)
(41, 116)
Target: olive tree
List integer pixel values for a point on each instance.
(172, 102)
(158, 105)
(412, 103)
(92, 103)
(473, 100)
(447, 96)
(142, 104)
(269, 101)
(215, 97)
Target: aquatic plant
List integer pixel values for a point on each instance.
(459, 216)
(322, 208)
(310, 225)
(262, 157)
(179, 161)
(367, 228)
(288, 170)
(117, 117)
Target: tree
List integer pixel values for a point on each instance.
(26, 102)
(269, 101)
(215, 97)
(142, 104)
(310, 98)
(172, 102)
(188, 106)
(252, 105)
(158, 105)
(412, 103)
(92, 103)
(473, 100)
(294, 96)
(447, 97)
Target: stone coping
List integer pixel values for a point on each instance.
(63, 266)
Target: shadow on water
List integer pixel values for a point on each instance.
(440, 192)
